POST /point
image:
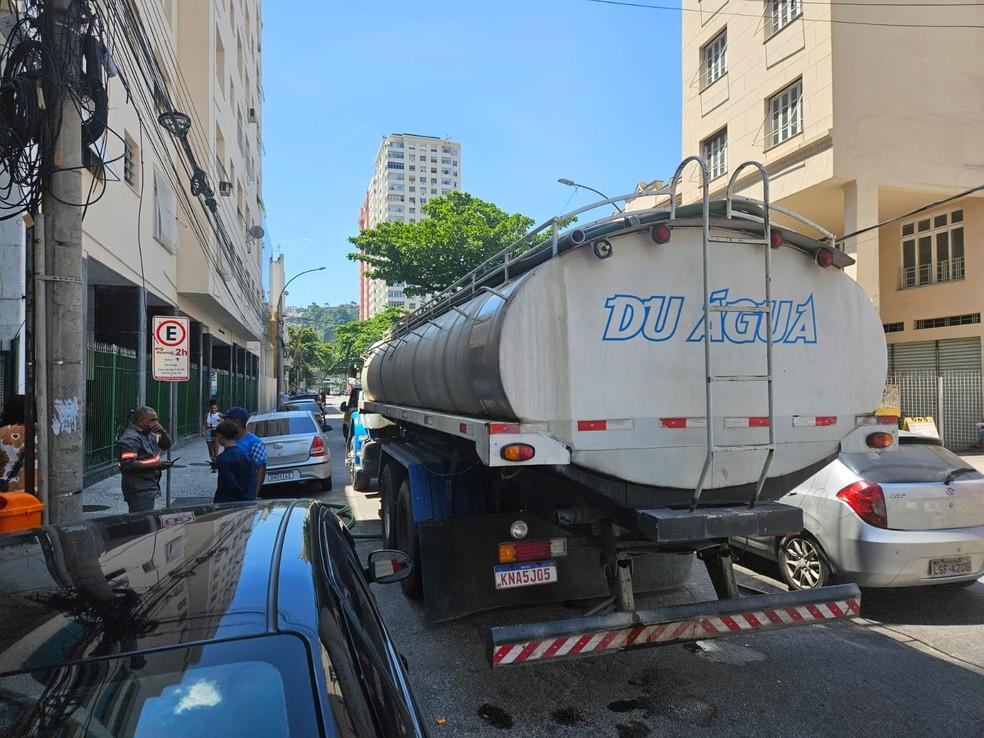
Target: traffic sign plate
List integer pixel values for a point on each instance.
(171, 362)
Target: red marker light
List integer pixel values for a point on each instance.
(825, 257)
(880, 440)
(776, 239)
(660, 233)
(517, 452)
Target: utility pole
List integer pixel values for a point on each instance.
(62, 396)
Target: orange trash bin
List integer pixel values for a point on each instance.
(19, 511)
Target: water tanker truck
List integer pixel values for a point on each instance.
(592, 411)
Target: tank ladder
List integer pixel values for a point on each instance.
(711, 310)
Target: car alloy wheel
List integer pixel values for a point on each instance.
(802, 563)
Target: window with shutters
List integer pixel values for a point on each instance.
(165, 216)
(932, 249)
(948, 321)
(785, 114)
(130, 159)
(780, 13)
(714, 59)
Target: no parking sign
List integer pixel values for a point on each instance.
(171, 363)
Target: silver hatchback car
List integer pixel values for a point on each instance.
(911, 516)
(296, 446)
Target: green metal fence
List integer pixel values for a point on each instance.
(111, 394)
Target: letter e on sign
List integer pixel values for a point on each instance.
(171, 355)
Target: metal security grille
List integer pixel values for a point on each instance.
(953, 398)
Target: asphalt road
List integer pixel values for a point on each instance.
(913, 664)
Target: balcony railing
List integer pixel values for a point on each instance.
(946, 270)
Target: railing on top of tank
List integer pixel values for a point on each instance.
(468, 285)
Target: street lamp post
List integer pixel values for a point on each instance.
(572, 183)
(279, 354)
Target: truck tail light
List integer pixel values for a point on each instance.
(546, 548)
(660, 233)
(867, 500)
(517, 452)
(776, 239)
(317, 447)
(825, 257)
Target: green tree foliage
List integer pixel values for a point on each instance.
(460, 232)
(307, 354)
(353, 339)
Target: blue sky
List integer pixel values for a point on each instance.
(532, 89)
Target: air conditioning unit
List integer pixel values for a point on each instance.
(251, 115)
(225, 188)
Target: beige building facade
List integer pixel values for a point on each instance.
(861, 113)
(410, 169)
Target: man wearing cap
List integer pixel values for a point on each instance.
(139, 450)
(252, 446)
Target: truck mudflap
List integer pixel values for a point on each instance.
(528, 643)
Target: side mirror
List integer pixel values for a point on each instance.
(386, 566)
(343, 407)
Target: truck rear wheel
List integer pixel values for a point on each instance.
(360, 482)
(408, 541)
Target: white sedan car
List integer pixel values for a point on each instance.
(909, 516)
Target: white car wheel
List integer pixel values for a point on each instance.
(802, 563)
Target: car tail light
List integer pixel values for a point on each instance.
(547, 548)
(517, 452)
(867, 500)
(317, 447)
(660, 233)
(825, 257)
(880, 440)
(776, 238)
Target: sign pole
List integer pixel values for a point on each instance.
(173, 432)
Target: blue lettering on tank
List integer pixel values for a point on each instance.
(656, 318)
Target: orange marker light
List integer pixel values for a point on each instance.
(517, 452)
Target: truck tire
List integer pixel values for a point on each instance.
(360, 482)
(408, 541)
(389, 485)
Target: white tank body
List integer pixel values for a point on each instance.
(607, 355)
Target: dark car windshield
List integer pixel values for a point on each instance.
(290, 425)
(310, 406)
(910, 462)
(254, 686)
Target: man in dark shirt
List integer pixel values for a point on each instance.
(139, 450)
(234, 467)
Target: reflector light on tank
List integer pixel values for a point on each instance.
(660, 233)
(825, 257)
(776, 239)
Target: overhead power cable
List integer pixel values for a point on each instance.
(840, 21)
(921, 209)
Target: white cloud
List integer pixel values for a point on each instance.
(203, 693)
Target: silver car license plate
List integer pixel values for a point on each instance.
(283, 476)
(951, 567)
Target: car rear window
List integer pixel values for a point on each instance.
(311, 407)
(254, 686)
(910, 462)
(287, 426)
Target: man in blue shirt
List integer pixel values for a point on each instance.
(253, 448)
(234, 467)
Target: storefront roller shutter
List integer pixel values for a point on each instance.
(960, 354)
(918, 356)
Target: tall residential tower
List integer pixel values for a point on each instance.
(410, 170)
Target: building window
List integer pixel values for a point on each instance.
(412, 189)
(716, 153)
(932, 250)
(715, 59)
(894, 327)
(948, 321)
(130, 155)
(433, 191)
(781, 13)
(446, 160)
(786, 114)
(395, 154)
(165, 218)
(394, 165)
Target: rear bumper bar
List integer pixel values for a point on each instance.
(537, 642)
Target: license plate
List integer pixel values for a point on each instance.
(283, 476)
(509, 576)
(950, 567)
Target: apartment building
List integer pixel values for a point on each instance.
(197, 256)
(409, 170)
(861, 113)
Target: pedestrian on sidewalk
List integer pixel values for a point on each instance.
(252, 446)
(212, 420)
(139, 449)
(233, 466)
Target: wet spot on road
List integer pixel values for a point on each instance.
(567, 716)
(628, 705)
(635, 729)
(692, 711)
(495, 716)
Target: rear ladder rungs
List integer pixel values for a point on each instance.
(730, 241)
(740, 377)
(746, 447)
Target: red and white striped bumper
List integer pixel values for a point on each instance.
(538, 642)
